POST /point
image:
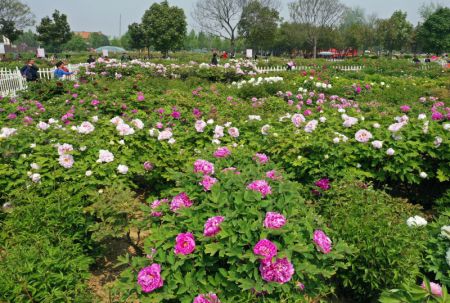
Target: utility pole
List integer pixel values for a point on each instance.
(120, 26)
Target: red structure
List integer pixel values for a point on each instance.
(339, 54)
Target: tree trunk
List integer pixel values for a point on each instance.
(315, 47)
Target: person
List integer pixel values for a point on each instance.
(90, 59)
(416, 60)
(427, 59)
(214, 59)
(30, 71)
(60, 72)
(290, 65)
(124, 58)
(224, 55)
(64, 68)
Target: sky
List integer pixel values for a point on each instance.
(104, 15)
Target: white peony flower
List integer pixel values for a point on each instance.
(210, 121)
(376, 125)
(336, 140)
(447, 257)
(390, 152)
(265, 129)
(34, 166)
(171, 141)
(423, 175)
(88, 173)
(165, 135)
(363, 136)
(422, 117)
(445, 231)
(416, 221)
(322, 119)
(105, 156)
(377, 144)
(446, 126)
(35, 178)
(122, 169)
(138, 123)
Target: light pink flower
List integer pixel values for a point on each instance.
(124, 129)
(212, 226)
(85, 128)
(322, 241)
(180, 201)
(207, 182)
(222, 152)
(66, 160)
(165, 135)
(261, 186)
(149, 278)
(138, 123)
(363, 136)
(64, 148)
(208, 298)
(155, 205)
(234, 132)
(274, 220)
(105, 156)
(204, 167)
(261, 158)
(435, 288)
(298, 119)
(184, 244)
(200, 126)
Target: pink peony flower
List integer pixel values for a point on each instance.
(322, 241)
(180, 201)
(234, 132)
(184, 244)
(222, 152)
(363, 136)
(435, 288)
(200, 126)
(265, 248)
(261, 158)
(272, 174)
(204, 167)
(64, 149)
(150, 278)
(261, 186)
(300, 286)
(66, 160)
(212, 226)
(148, 166)
(208, 298)
(140, 97)
(405, 108)
(274, 220)
(281, 271)
(307, 112)
(323, 184)
(207, 182)
(155, 205)
(437, 116)
(298, 119)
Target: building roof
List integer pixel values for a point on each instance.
(86, 35)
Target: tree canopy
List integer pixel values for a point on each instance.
(435, 32)
(54, 32)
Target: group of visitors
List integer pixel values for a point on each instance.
(224, 56)
(30, 71)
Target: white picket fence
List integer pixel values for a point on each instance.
(264, 70)
(11, 81)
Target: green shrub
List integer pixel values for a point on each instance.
(390, 253)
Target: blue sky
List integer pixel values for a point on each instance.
(103, 15)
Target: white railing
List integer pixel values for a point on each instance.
(11, 81)
(270, 69)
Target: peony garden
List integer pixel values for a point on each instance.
(154, 181)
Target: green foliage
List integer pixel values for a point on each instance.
(435, 31)
(226, 263)
(97, 40)
(395, 32)
(413, 294)
(258, 25)
(76, 43)
(389, 251)
(9, 30)
(137, 38)
(29, 38)
(165, 27)
(54, 32)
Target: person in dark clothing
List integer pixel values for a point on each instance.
(427, 59)
(416, 60)
(91, 59)
(214, 59)
(30, 71)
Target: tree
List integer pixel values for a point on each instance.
(54, 32)
(316, 15)
(137, 38)
(165, 27)
(98, 39)
(258, 25)
(395, 33)
(290, 37)
(28, 38)
(434, 34)
(76, 43)
(116, 41)
(9, 30)
(427, 9)
(221, 17)
(125, 41)
(17, 12)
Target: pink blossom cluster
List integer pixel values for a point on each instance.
(212, 226)
(280, 271)
(207, 182)
(261, 158)
(155, 205)
(204, 167)
(261, 186)
(322, 241)
(149, 278)
(266, 249)
(273, 174)
(324, 184)
(184, 244)
(435, 288)
(222, 152)
(274, 220)
(208, 298)
(180, 201)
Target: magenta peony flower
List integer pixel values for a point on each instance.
(148, 166)
(323, 184)
(222, 152)
(155, 205)
(204, 167)
(184, 244)
(262, 186)
(322, 241)
(180, 201)
(261, 158)
(207, 182)
(272, 174)
(212, 226)
(300, 286)
(150, 278)
(405, 108)
(437, 116)
(265, 248)
(274, 220)
(280, 271)
(176, 115)
(208, 298)
(435, 288)
(307, 112)
(140, 97)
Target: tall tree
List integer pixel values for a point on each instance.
(9, 30)
(137, 38)
(290, 37)
(54, 32)
(258, 25)
(16, 11)
(165, 27)
(98, 39)
(316, 15)
(395, 32)
(434, 34)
